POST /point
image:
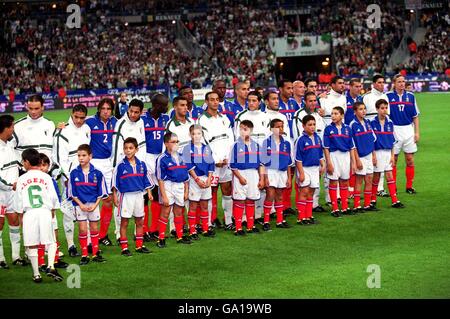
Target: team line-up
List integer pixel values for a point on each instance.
(154, 166)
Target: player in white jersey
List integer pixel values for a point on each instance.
(370, 99)
(34, 130)
(261, 130)
(35, 198)
(310, 109)
(335, 97)
(9, 172)
(66, 141)
(130, 125)
(180, 123)
(218, 134)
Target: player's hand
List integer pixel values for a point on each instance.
(416, 137)
(353, 168)
(392, 161)
(61, 125)
(243, 181)
(301, 177)
(359, 164)
(330, 169)
(321, 169)
(186, 196)
(150, 196)
(261, 183)
(374, 161)
(200, 183)
(321, 112)
(289, 182)
(14, 186)
(208, 183)
(165, 201)
(116, 200)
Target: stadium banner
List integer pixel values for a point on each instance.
(292, 46)
(90, 98)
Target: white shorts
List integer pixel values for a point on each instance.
(6, 203)
(196, 193)
(174, 192)
(383, 161)
(404, 139)
(37, 227)
(249, 191)
(131, 205)
(150, 161)
(312, 177)
(367, 165)
(341, 164)
(277, 179)
(84, 216)
(221, 175)
(104, 165)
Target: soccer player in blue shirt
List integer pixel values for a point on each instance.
(86, 188)
(405, 115)
(310, 165)
(198, 157)
(102, 129)
(287, 104)
(248, 177)
(173, 179)
(130, 181)
(340, 158)
(276, 155)
(383, 128)
(365, 159)
(155, 122)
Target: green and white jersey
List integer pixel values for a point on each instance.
(9, 167)
(123, 129)
(181, 130)
(331, 100)
(35, 190)
(218, 134)
(261, 124)
(66, 143)
(297, 125)
(37, 134)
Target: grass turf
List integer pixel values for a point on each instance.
(328, 260)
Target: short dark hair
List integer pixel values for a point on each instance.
(138, 103)
(254, 93)
(335, 79)
(309, 80)
(275, 121)
(159, 99)
(267, 94)
(380, 102)
(247, 123)
(185, 87)
(309, 94)
(354, 80)
(339, 109)
(43, 159)
(31, 155)
(308, 118)
(281, 83)
(85, 147)
(6, 121)
(105, 100)
(131, 140)
(377, 77)
(168, 136)
(80, 108)
(209, 93)
(356, 105)
(36, 98)
(178, 99)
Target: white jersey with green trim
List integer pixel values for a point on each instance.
(218, 134)
(37, 134)
(124, 129)
(35, 190)
(331, 100)
(297, 125)
(271, 114)
(181, 130)
(369, 99)
(66, 144)
(261, 124)
(9, 167)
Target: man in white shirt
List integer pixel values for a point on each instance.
(335, 97)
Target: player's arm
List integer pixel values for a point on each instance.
(186, 190)
(330, 168)
(148, 184)
(83, 207)
(416, 129)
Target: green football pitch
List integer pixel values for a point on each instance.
(409, 249)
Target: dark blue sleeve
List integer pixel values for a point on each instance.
(55, 184)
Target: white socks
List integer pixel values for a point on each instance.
(14, 236)
(68, 229)
(227, 205)
(32, 254)
(51, 252)
(2, 255)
